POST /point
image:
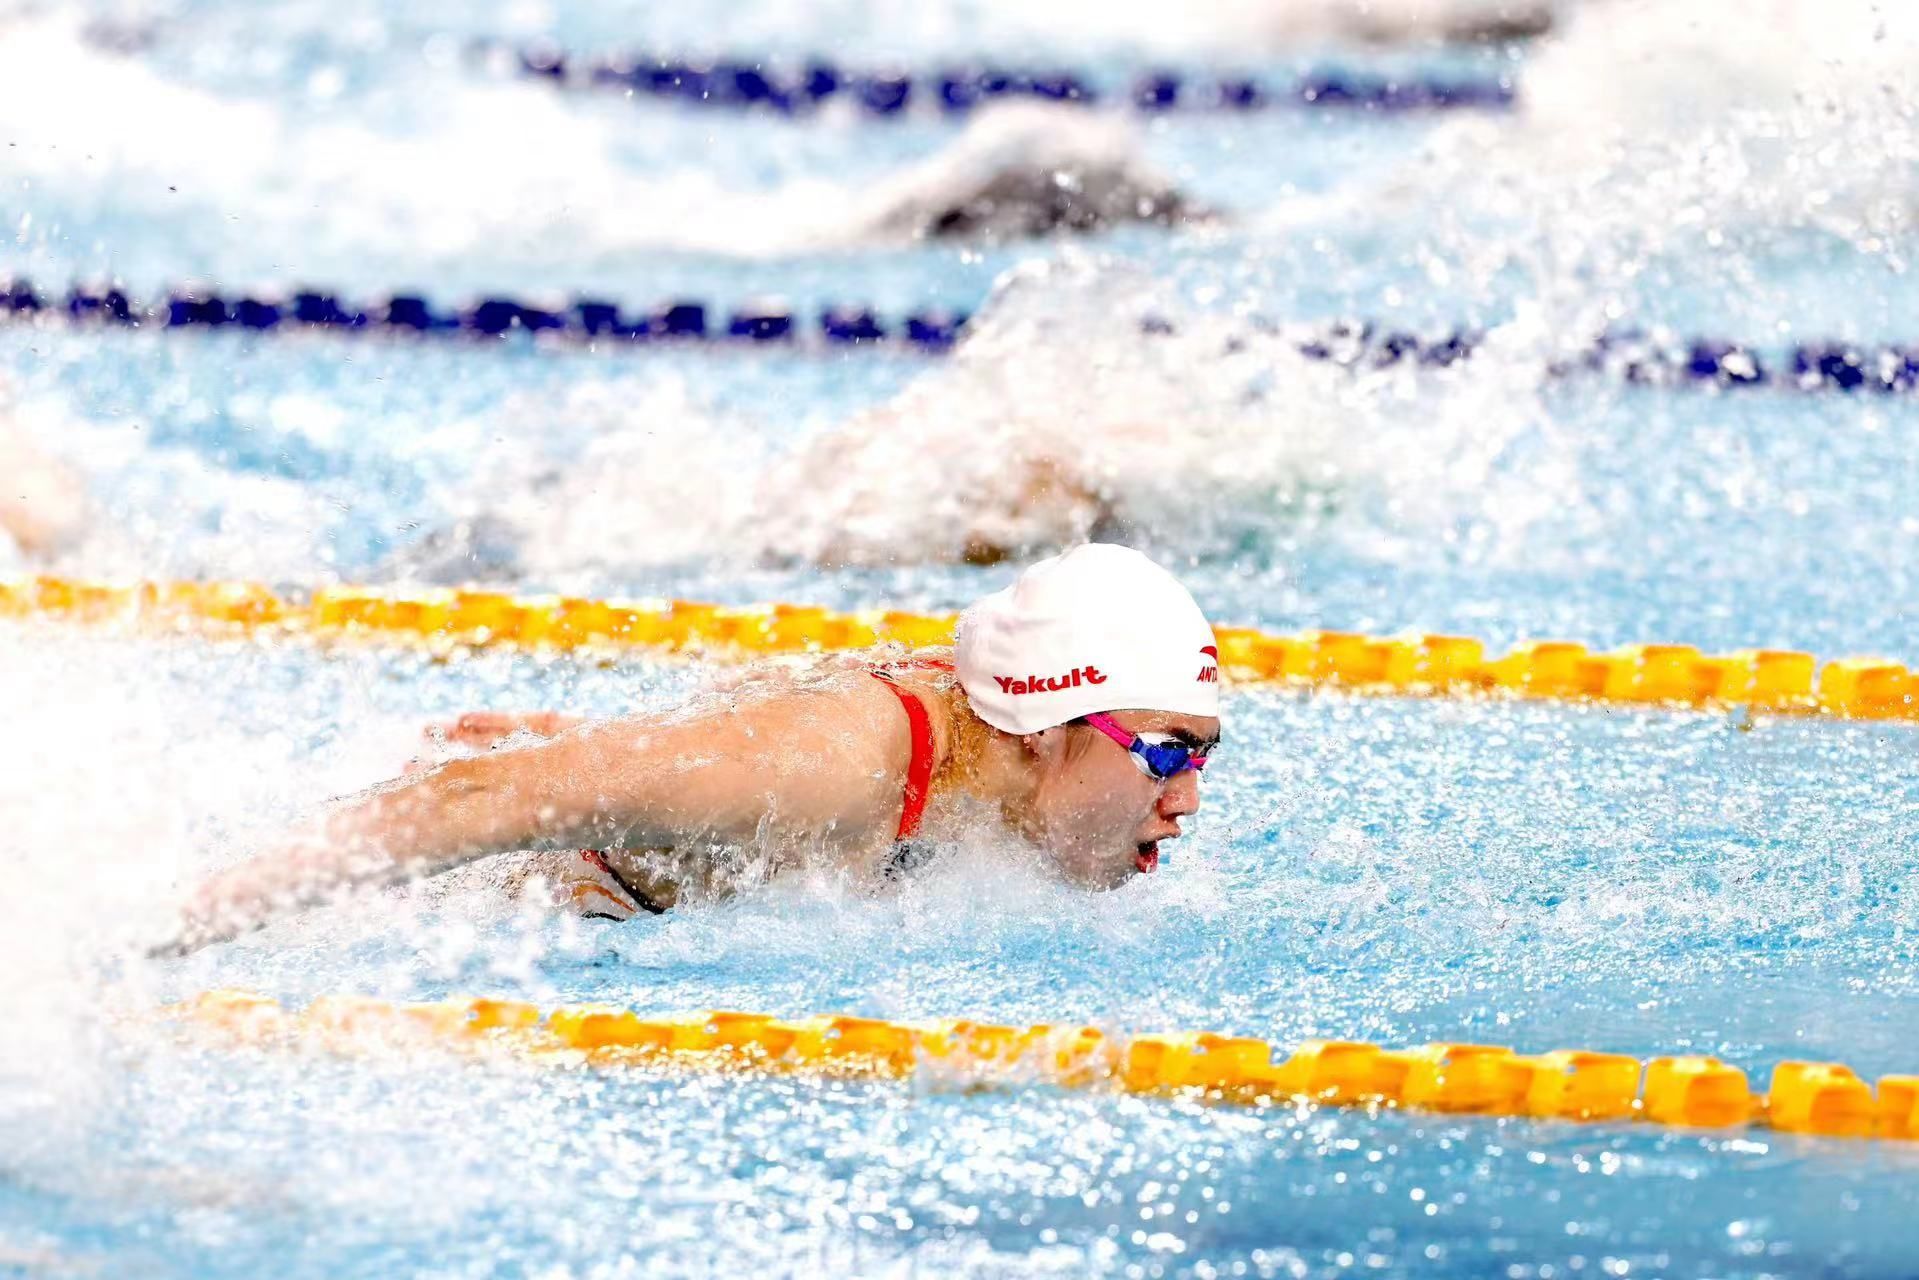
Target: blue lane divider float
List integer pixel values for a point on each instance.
(1652, 358)
(1646, 358)
(585, 319)
(804, 88)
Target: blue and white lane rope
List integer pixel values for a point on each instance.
(1635, 356)
(803, 88)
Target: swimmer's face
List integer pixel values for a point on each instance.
(1100, 817)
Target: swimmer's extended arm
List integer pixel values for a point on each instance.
(815, 763)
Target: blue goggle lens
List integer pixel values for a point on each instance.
(1166, 760)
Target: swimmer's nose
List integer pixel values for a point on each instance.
(1180, 796)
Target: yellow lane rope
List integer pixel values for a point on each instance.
(1567, 1084)
(1646, 674)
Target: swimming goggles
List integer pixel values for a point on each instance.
(1159, 756)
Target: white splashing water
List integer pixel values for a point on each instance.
(1774, 112)
(124, 783)
(100, 812)
(1057, 420)
(1688, 137)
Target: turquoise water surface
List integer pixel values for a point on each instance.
(1380, 869)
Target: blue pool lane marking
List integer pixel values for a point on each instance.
(803, 88)
(1637, 356)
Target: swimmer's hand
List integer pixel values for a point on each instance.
(485, 730)
(233, 904)
(248, 896)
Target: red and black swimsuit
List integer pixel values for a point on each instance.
(920, 765)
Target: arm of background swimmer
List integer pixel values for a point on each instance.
(819, 762)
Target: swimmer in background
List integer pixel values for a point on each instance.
(42, 501)
(1076, 711)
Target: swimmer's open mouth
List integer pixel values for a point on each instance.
(1147, 857)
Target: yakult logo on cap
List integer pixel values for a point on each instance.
(1051, 684)
(1051, 633)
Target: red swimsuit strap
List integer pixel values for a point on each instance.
(919, 769)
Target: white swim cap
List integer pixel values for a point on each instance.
(1098, 628)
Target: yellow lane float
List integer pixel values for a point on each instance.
(1426, 665)
(1691, 1092)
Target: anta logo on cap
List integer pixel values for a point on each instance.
(1209, 674)
(1051, 684)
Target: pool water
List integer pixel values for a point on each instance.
(1371, 868)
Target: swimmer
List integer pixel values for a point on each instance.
(1027, 169)
(1075, 711)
